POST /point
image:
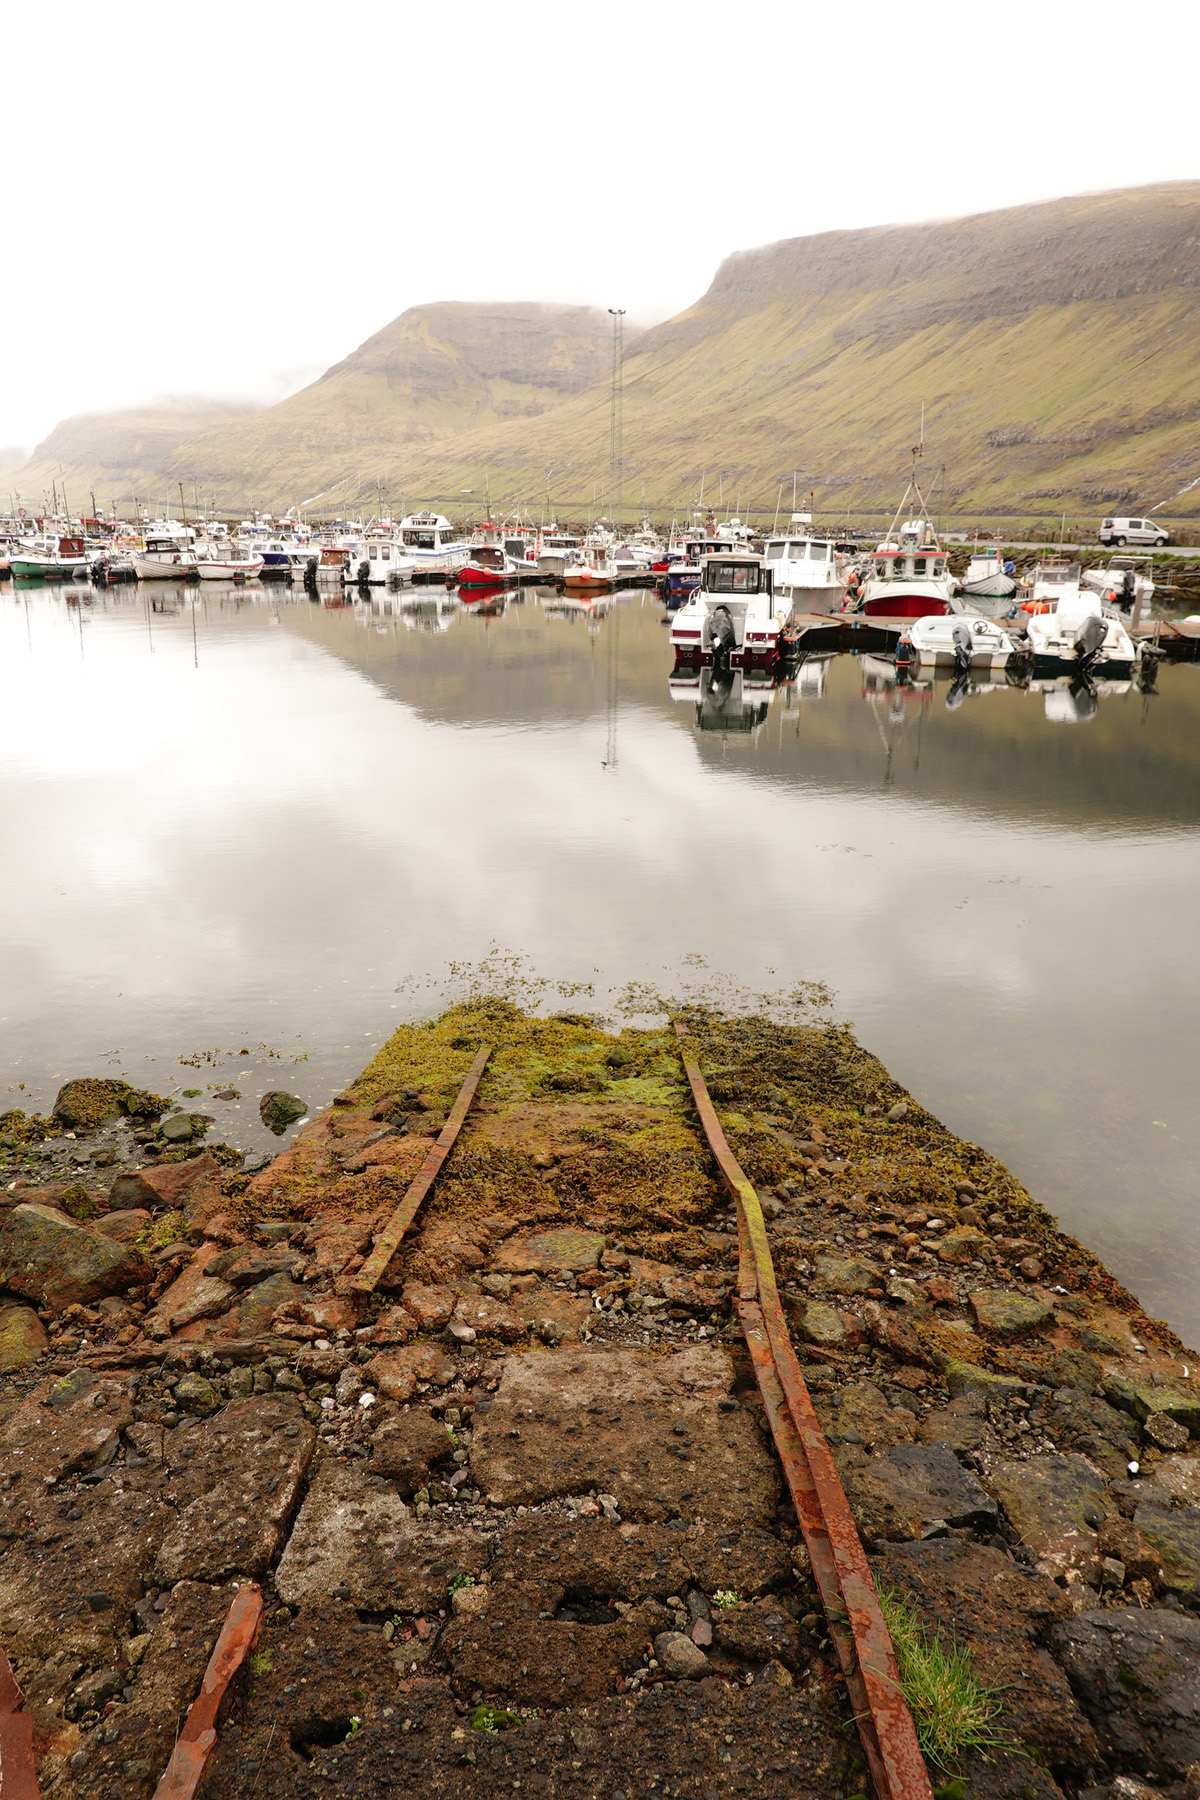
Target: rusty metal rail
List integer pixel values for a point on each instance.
(856, 1624)
(196, 1742)
(368, 1277)
(17, 1778)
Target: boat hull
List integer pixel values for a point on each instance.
(33, 568)
(904, 606)
(214, 570)
(149, 568)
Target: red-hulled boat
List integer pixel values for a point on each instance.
(909, 575)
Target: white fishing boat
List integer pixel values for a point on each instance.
(378, 559)
(223, 565)
(554, 549)
(734, 616)
(1049, 584)
(167, 558)
(807, 568)
(1124, 582)
(431, 542)
(1076, 639)
(987, 578)
(956, 641)
(592, 569)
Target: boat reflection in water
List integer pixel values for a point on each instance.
(726, 700)
(1075, 702)
(417, 609)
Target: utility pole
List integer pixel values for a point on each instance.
(617, 423)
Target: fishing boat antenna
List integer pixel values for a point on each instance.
(778, 503)
(616, 448)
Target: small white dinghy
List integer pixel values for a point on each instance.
(948, 641)
(1076, 639)
(986, 577)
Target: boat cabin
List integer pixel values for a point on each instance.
(426, 531)
(908, 562)
(490, 557)
(723, 574)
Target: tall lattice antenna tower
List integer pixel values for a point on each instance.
(616, 448)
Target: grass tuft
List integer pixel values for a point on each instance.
(952, 1710)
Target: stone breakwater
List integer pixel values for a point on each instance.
(517, 1516)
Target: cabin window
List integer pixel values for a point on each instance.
(819, 552)
(797, 552)
(774, 551)
(371, 551)
(385, 553)
(919, 565)
(732, 578)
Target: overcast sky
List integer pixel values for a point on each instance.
(224, 200)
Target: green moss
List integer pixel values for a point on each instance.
(494, 1718)
(952, 1710)
(168, 1228)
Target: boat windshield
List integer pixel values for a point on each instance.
(732, 578)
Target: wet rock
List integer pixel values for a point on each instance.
(85, 1104)
(249, 1467)
(906, 1489)
(895, 1335)
(279, 1110)
(551, 1314)
(962, 1244)
(259, 1305)
(199, 1297)
(1173, 1533)
(546, 1251)
(163, 1189)
(22, 1337)
(1057, 1504)
(487, 1317)
(642, 1562)
(395, 1325)
(680, 1658)
(1137, 1676)
(125, 1225)
(408, 1448)
(845, 1274)
(196, 1394)
(335, 1248)
(47, 1257)
(1011, 1315)
(243, 1268)
(1122, 1539)
(396, 1373)
(823, 1325)
(368, 1547)
(1181, 1404)
(1080, 1421)
(864, 1421)
(1165, 1432)
(569, 1420)
(758, 1631)
(960, 1425)
(431, 1307)
(177, 1129)
(68, 1425)
(967, 1379)
(975, 1595)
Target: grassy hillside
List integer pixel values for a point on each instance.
(1055, 348)
(121, 455)
(433, 374)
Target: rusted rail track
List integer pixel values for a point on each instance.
(17, 1778)
(856, 1624)
(196, 1742)
(369, 1275)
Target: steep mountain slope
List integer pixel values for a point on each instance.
(1056, 350)
(432, 374)
(121, 455)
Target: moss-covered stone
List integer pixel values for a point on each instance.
(1011, 1315)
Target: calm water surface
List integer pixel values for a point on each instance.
(243, 820)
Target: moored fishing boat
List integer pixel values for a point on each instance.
(430, 542)
(960, 641)
(806, 567)
(1075, 638)
(49, 558)
(554, 548)
(213, 565)
(734, 616)
(908, 573)
(487, 566)
(989, 577)
(167, 558)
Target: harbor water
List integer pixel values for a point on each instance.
(243, 833)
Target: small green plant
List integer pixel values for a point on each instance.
(461, 1581)
(726, 1597)
(494, 1718)
(355, 1723)
(168, 1228)
(952, 1710)
(260, 1663)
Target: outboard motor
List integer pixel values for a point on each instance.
(364, 574)
(1089, 641)
(722, 635)
(906, 656)
(1128, 590)
(961, 635)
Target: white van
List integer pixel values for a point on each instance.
(1133, 531)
